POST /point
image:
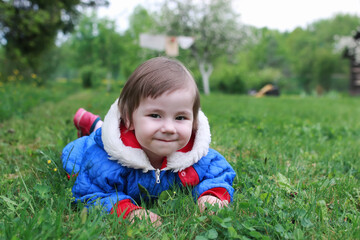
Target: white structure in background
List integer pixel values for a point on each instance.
(169, 44)
(350, 46)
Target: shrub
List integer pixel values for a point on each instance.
(91, 75)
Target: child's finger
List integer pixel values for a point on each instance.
(212, 201)
(155, 219)
(224, 203)
(141, 213)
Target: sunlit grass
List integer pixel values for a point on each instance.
(297, 164)
(18, 98)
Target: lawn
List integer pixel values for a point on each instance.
(296, 158)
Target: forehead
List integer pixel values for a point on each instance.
(177, 99)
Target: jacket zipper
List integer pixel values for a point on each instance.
(157, 175)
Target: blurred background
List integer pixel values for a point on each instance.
(240, 46)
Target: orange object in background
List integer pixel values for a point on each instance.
(268, 90)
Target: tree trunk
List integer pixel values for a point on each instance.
(205, 70)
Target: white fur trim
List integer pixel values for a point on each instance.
(126, 156)
(137, 159)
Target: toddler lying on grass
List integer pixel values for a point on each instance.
(154, 136)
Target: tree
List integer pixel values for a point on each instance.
(29, 27)
(311, 54)
(213, 23)
(140, 21)
(96, 48)
(324, 67)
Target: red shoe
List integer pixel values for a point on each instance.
(85, 122)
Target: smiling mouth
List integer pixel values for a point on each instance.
(164, 140)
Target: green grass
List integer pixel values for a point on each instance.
(297, 164)
(17, 99)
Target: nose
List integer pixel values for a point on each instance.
(168, 127)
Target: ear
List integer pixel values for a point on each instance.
(129, 125)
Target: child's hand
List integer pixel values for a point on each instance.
(212, 201)
(141, 213)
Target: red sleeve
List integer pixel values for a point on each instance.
(219, 192)
(189, 177)
(124, 206)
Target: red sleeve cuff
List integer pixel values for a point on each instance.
(219, 192)
(124, 206)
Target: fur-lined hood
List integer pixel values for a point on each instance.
(137, 159)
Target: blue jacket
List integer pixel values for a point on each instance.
(109, 169)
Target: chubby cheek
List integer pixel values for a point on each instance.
(186, 133)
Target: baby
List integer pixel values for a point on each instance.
(154, 136)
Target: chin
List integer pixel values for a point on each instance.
(165, 154)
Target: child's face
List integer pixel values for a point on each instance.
(164, 125)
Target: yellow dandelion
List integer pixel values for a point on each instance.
(16, 72)
(55, 169)
(33, 75)
(49, 161)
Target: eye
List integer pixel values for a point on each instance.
(180, 118)
(154, 115)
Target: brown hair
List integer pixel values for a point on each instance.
(152, 79)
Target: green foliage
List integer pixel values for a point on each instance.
(267, 51)
(297, 61)
(341, 25)
(29, 29)
(91, 75)
(97, 51)
(235, 85)
(323, 67)
(95, 44)
(140, 21)
(231, 78)
(213, 24)
(228, 78)
(296, 161)
(303, 59)
(87, 77)
(259, 79)
(311, 51)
